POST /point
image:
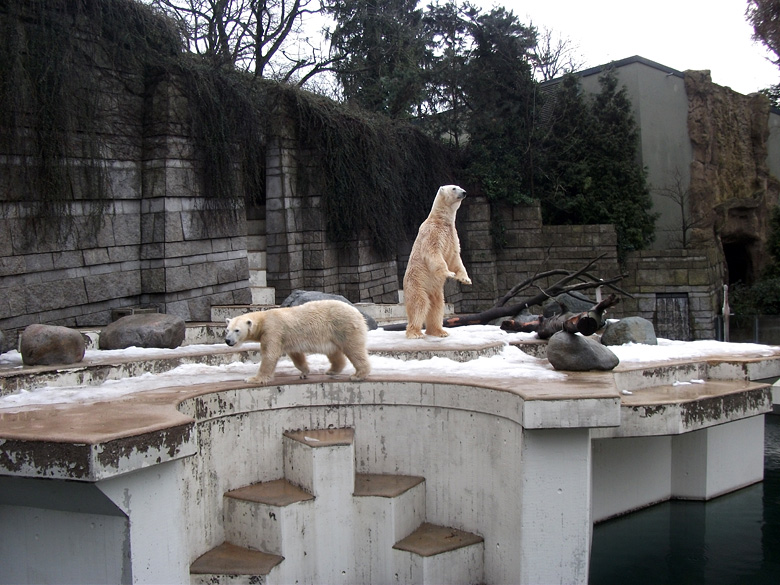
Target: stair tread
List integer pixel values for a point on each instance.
(429, 540)
(277, 492)
(323, 437)
(384, 485)
(229, 559)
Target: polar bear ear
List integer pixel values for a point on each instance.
(227, 321)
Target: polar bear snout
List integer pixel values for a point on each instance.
(453, 191)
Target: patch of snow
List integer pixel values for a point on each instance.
(510, 362)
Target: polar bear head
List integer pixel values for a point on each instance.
(237, 330)
(448, 200)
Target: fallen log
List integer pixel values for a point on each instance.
(587, 322)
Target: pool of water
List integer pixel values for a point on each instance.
(733, 539)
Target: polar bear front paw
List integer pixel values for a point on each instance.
(259, 380)
(465, 280)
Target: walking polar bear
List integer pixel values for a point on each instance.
(331, 327)
(435, 257)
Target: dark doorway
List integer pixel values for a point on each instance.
(739, 263)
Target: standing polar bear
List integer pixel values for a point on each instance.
(331, 327)
(435, 257)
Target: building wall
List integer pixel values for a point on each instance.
(661, 113)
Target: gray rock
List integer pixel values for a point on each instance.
(2, 342)
(51, 344)
(629, 330)
(576, 353)
(574, 303)
(143, 330)
(299, 297)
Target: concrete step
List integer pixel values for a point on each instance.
(268, 516)
(387, 509)
(263, 295)
(221, 312)
(321, 461)
(231, 564)
(439, 554)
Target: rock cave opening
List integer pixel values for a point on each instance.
(739, 262)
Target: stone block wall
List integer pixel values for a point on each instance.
(695, 276)
(152, 242)
(529, 248)
(299, 254)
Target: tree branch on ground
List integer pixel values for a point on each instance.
(584, 281)
(587, 322)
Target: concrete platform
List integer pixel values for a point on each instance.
(526, 464)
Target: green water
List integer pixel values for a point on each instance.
(733, 539)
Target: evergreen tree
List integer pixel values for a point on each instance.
(591, 171)
(565, 182)
(622, 193)
(501, 96)
(380, 50)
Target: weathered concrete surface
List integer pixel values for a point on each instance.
(510, 460)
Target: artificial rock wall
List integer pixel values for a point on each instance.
(732, 192)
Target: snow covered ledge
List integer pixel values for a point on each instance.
(523, 456)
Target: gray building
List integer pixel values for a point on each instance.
(710, 153)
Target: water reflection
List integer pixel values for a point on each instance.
(733, 539)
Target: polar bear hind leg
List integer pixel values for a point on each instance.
(435, 314)
(337, 362)
(359, 359)
(417, 306)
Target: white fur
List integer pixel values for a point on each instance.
(435, 257)
(331, 327)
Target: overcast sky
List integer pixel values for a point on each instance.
(682, 34)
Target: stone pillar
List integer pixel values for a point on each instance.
(193, 253)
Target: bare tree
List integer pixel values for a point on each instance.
(266, 37)
(555, 56)
(679, 194)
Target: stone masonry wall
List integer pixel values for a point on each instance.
(694, 275)
(153, 244)
(299, 254)
(530, 248)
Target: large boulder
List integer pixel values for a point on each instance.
(577, 353)
(300, 297)
(44, 345)
(629, 330)
(574, 302)
(144, 330)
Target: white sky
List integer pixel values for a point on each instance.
(682, 34)
(511, 362)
